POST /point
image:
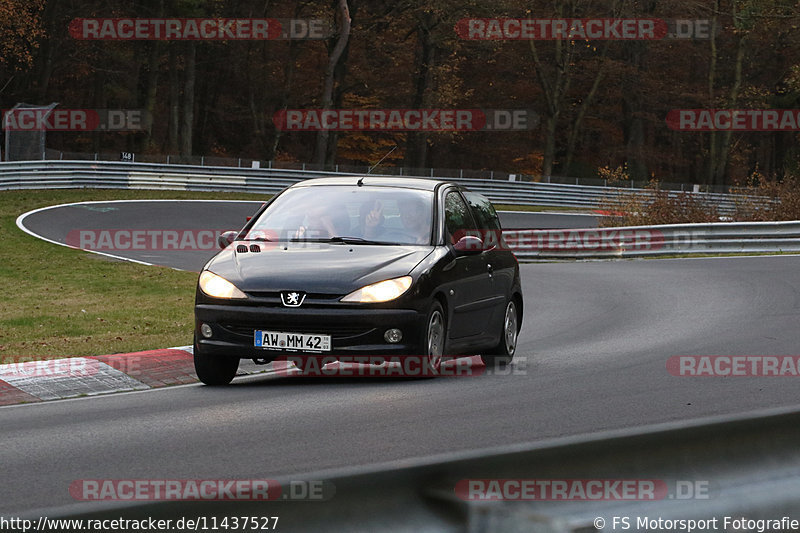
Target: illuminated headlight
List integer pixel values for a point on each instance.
(382, 291)
(218, 287)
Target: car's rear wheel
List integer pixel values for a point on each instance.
(503, 353)
(435, 337)
(214, 370)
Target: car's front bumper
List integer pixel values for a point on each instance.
(354, 332)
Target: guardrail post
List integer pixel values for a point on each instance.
(202, 160)
(431, 171)
(240, 161)
(95, 156)
(168, 159)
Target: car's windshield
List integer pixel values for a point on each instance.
(347, 214)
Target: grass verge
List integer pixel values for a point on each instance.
(60, 302)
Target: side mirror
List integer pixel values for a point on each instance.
(468, 245)
(225, 239)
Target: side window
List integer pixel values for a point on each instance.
(484, 211)
(457, 217)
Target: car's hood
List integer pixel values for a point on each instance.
(314, 267)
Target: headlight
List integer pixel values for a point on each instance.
(382, 291)
(219, 287)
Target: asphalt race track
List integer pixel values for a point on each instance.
(56, 224)
(592, 357)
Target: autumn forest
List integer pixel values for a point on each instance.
(599, 102)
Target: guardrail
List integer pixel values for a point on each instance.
(741, 467)
(443, 173)
(643, 241)
(115, 174)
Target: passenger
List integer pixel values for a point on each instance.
(415, 219)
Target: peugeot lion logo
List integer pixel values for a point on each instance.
(292, 298)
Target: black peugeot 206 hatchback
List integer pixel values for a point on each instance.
(385, 267)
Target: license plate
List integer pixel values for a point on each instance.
(294, 342)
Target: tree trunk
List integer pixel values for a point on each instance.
(188, 100)
(632, 110)
(174, 98)
(554, 92)
(417, 142)
(288, 85)
(712, 74)
(320, 152)
(719, 177)
(585, 103)
(151, 90)
(48, 49)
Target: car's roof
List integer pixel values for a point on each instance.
(376, 181)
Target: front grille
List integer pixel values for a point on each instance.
(336, 332)
(311, 296)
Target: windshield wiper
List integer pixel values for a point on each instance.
(347, 240)
(257, 239)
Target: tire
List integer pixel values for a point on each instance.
(435, 337)
(214, 370)
(503, 353)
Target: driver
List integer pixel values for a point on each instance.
(322, 222)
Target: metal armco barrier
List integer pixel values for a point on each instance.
(757, 237)
(643, 241)
(115, 174)
(743, 466)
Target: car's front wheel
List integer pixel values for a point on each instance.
(435, 337)
(214, 370)
(503, 353)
